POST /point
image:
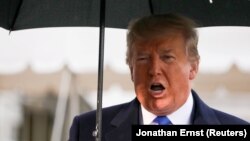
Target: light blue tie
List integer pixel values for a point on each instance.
(162, 120)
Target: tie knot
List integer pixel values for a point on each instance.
(162, 120)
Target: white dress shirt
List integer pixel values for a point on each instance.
(180, 117)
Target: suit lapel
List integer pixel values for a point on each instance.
(123, 122)
(203, 114)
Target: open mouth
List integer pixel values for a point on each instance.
(157, 87)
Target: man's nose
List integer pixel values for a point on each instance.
(155, 66)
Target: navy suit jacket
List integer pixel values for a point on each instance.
(117, 120)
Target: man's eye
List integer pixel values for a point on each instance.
(142, 58)
(167, 57)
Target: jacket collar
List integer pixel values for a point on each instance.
(129, 115)
(203, 114)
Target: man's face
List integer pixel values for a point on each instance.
(162, 74)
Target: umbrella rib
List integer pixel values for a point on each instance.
(151, 7)
(12, 23)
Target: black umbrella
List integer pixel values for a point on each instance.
(26, 14)
(23, 14)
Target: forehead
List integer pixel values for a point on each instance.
(175, 41)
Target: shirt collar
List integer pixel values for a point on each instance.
(182, 116)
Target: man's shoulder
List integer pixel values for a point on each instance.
(106, 111)
(226, 118)
(211, 115)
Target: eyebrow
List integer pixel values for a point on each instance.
(166, 50)
(142, 53)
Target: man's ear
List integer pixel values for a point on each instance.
(194, 69)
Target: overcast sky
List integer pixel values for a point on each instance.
(49, 49)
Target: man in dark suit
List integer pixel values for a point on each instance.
(163, 59)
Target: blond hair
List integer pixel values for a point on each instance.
(155, 26)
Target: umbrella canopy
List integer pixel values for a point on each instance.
(23, 14)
